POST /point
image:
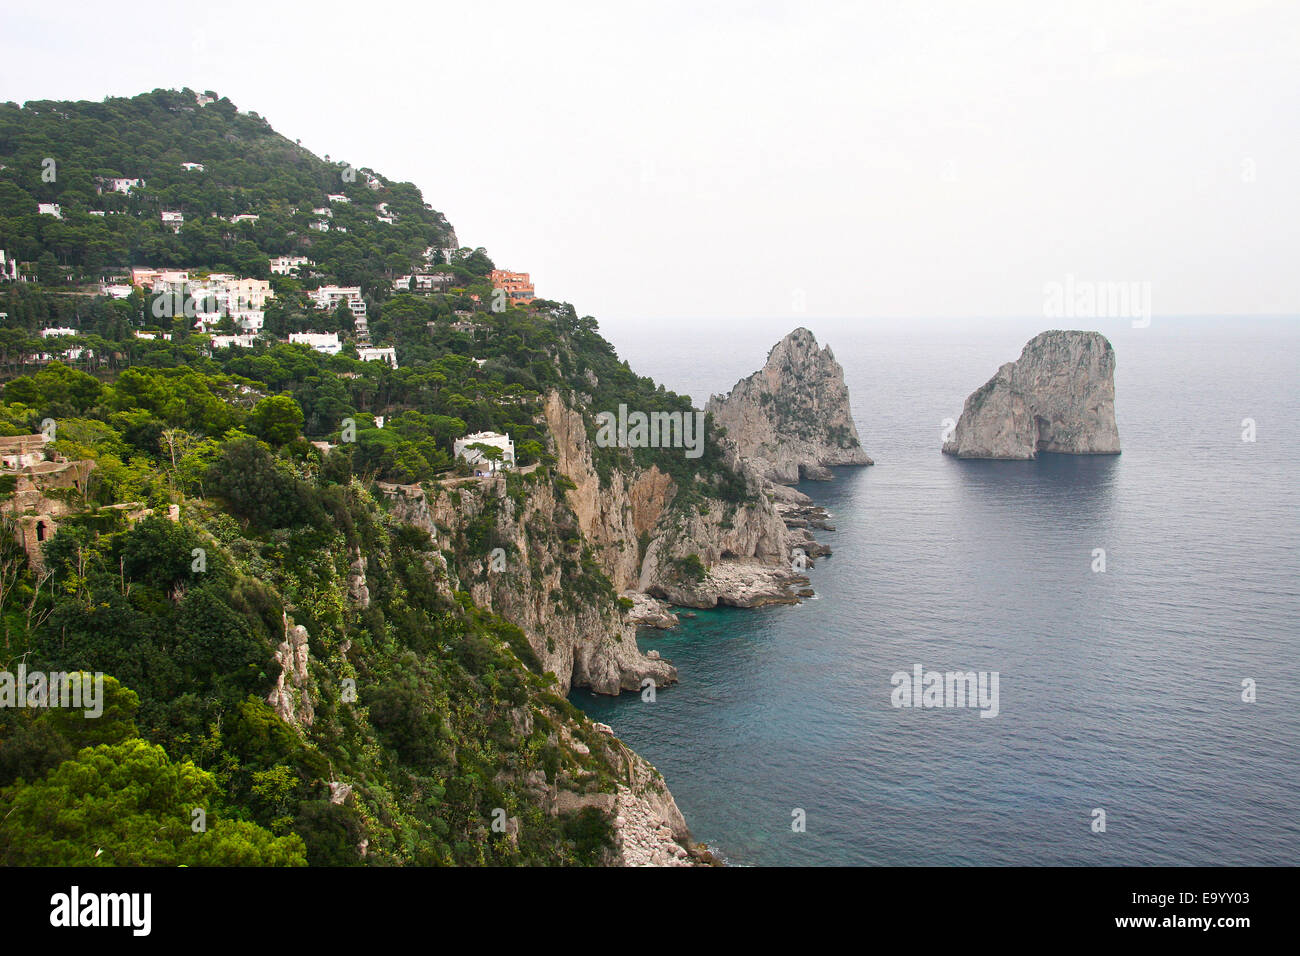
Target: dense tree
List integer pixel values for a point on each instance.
(128, 805)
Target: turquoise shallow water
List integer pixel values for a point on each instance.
(1118, 691)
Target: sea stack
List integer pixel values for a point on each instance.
(791, 419)
(1059, 396)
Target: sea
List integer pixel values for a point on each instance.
(1141, 613)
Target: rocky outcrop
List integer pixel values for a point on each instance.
(1059, 396)
(647, 611)
(358, 587)
(291, 696)
(641, 541)
(791, 419)
(582, 639)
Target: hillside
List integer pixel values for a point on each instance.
(62, 152)
(316, 622)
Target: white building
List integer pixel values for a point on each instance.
(326, 342)
(202, 99)
(284, 265)
(173, 218)
(116, 291)
(388, 355)
(49, 209)
(474, 458)
(160, 280)
(58, 330)
(389, 220)
(235, 341)
(250, 320)
(8, 268)
(96, 212)
(325, 211)
(245, 217)
(124, 186)
(448, 252)
(192, 167)
(402, 283)
(320, 225)
(329, 297)
(338, 197)
(166, 336)
(247, 293)
(433, 282)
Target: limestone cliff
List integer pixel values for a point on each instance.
(516, 551)
(644, 543)
(1059, 396)
(791, 419)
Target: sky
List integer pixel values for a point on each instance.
(672, 161)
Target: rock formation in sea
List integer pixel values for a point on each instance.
(791, 419)
(1059, 396)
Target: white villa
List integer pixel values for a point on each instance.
(49, 209)
(250, 320)
(123, 186)
(236, 341)
(325, 342)
(448, 251)
(338, 197)
(433, 281)
(247, 293)
(245, 217)
(117, 291)
(192, 167)
(284, 265)
(329, 296)
(376, 354)
(474, 458)
(173, 218)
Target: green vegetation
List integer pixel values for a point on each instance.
(435, 713)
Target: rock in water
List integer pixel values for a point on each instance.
(791, 419)
(1059, 396)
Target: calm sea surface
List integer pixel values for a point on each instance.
(1119, 690)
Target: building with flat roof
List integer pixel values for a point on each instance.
(516, 285)
(474, 457)
(387, 355)
(324, 342)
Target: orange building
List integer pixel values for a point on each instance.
(516, 285)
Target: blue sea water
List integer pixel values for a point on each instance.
(1119, 691)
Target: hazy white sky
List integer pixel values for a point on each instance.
(673, 159)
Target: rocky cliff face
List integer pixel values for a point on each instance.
(533, 580)
(1059, 396)
(791, 419)
(641, 540)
